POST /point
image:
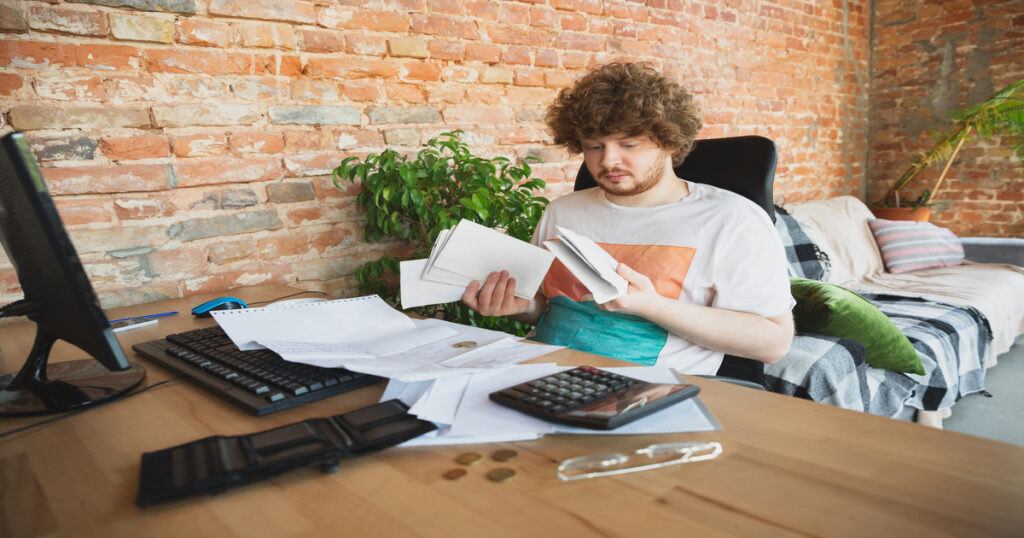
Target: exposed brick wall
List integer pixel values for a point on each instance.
(930, 58)
(188, 143)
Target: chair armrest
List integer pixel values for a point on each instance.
(994, 249)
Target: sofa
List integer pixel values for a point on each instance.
(958, 318)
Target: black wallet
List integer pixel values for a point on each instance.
(214, 464)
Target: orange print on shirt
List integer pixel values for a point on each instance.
(666, 267)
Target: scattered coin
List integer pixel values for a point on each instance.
(469, 458)
(466, 343)
(454, 474)
(504, 455)
(502, 474)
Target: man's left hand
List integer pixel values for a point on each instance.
(640, 295)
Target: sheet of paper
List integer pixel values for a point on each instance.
(475, 251)
(492, 349)
(363, 349)
(416, 291)
(591, 264)
(341, 321)
(478, 416)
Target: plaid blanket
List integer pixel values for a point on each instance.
(805, 259)
(951, 340)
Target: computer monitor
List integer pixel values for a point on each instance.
(58, 298)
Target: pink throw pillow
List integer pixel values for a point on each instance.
(912, 246)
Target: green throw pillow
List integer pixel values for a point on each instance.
(824, 308)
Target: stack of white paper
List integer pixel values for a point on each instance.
(470, 252)
(590, 264)
(460, 406)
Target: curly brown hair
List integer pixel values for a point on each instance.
(625, 98)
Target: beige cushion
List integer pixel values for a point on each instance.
(839, 226)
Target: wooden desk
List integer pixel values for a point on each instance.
(789, 467)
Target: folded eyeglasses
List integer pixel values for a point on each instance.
(652, 457)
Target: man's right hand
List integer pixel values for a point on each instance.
(497, 296)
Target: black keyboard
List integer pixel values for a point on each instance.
(259, 381)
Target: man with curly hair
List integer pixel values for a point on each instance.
(706, 270)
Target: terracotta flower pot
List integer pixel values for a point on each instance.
(921, 214)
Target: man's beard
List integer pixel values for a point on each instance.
(641, 185)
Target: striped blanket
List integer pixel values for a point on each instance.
(951, 340)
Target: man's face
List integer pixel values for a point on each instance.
(625, 166)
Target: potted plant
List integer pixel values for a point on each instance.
(414, 199)
(1002, 114)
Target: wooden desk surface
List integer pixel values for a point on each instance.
(789, 467)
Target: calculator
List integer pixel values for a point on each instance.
(590, 397)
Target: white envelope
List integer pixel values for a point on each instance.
(474, 251)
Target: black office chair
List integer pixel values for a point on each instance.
(746, 166)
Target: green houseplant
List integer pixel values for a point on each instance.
(414, 199)
(1000, 115)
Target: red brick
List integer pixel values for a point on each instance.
(179, 262)
(273, 10)
(483, 9)
(425, 71)
(314, 164)
(210, 63)
(226, 170)
(67, 21)
(445, 6)
(75, 212)
(483, 52)
(144, 207)
(118, 57)
(443, 49)
(478, 115)
(201, 145)
(256, 143)
(366, 45)
(366, 21)
(107, 179)
(304, 216)
(592, 7)
(309, 140)
(9, 83)
(516, 55)
(529, 78)
(579, 42)
(360, 90)
(322, 41)
(12, 20)
(514, 35)
(134, 147)
(266, 274)
(573, 22)
(272, 248)
(283, 65)
(67, 88)
(350, 68)
(450, 27)
(264, 35)
(407, 93)
(545, 58)
(203, 33)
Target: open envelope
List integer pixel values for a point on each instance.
(470, 252)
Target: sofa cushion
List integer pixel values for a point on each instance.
(805, 259)
(832, 310)
(839, 227)
(911, 246)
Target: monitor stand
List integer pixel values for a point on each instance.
(41, 388)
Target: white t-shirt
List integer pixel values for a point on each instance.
(713, 248)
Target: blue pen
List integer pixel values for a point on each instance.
(145, 316)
